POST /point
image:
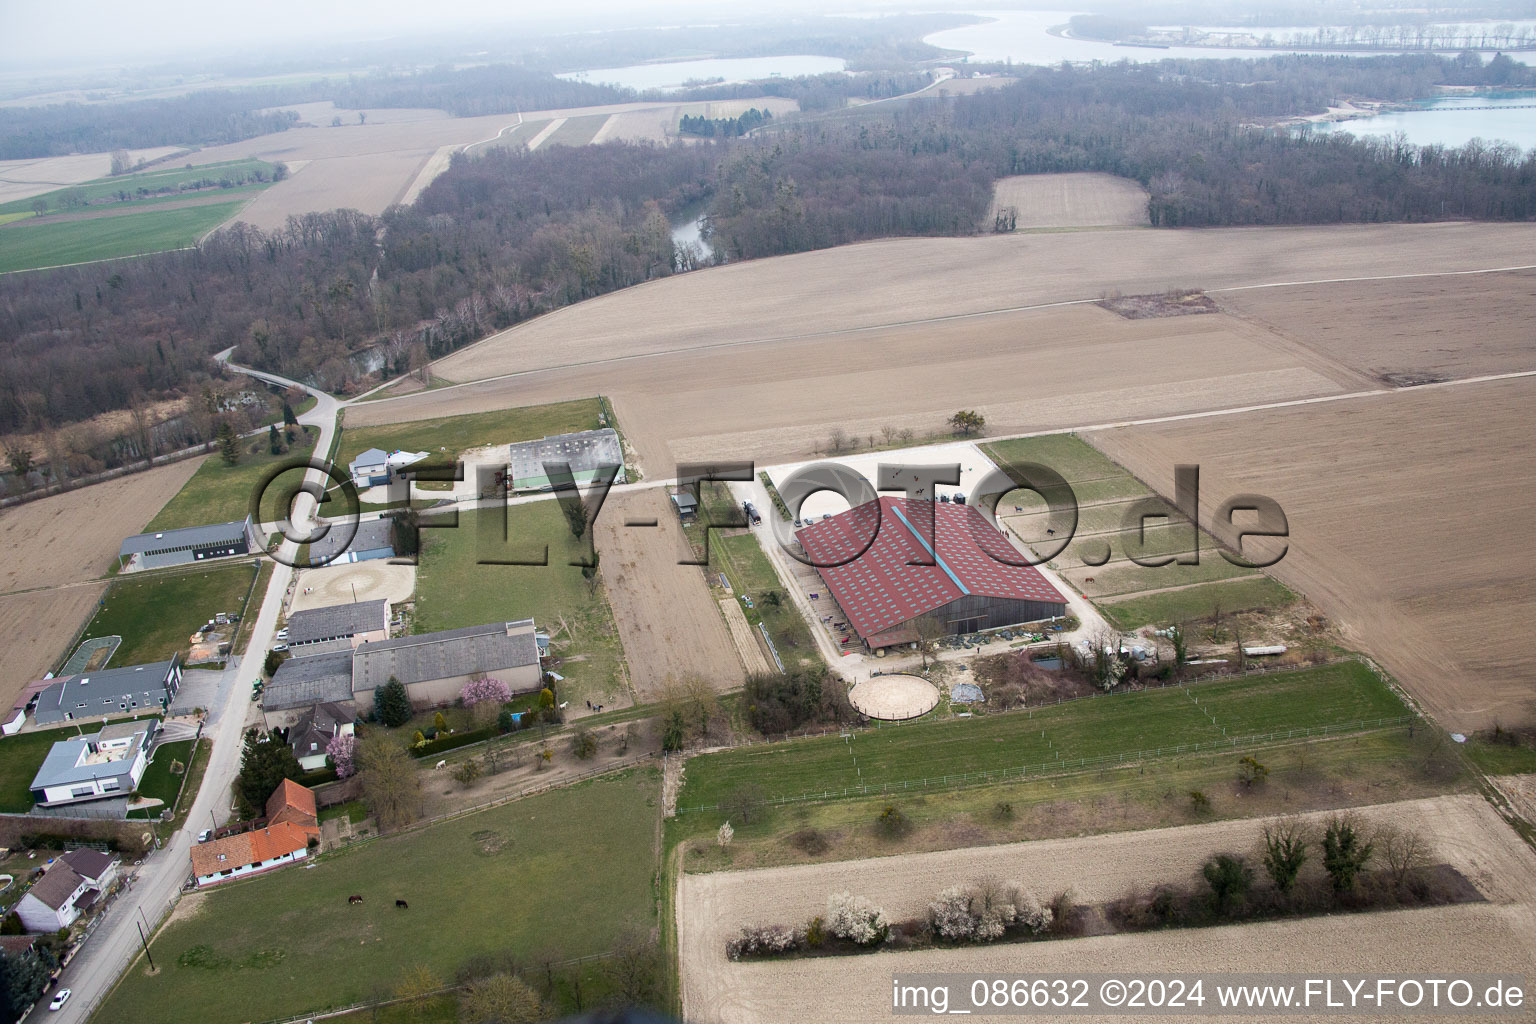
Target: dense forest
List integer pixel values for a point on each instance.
(206, 118)
(508, 234)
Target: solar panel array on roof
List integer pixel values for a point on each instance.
(879, 588)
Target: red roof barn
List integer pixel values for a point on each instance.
(969, 583)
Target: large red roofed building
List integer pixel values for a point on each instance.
(969, 583)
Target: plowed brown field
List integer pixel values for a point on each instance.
(1410, 516)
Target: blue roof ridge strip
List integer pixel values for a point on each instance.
(929, 548)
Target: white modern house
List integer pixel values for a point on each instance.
(375, 467)
(96, 765)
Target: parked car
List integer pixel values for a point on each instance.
(205, 835)
(279, 647)
(59, 999)
(282, 634)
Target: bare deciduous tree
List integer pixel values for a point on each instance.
(390, 785)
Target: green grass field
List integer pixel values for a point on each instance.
(448, 437)
(20, 758)
(158, 783)
(454, 589)
(559, 875)
(1249, 593)
(172, 178)
(1075, 459)
(24, 246)
(221, 494)
(1500, 758)
(155, 613)
(1330, 695)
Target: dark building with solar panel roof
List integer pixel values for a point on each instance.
(967, 575)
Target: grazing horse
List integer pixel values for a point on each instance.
(402, 904)
(354, 899)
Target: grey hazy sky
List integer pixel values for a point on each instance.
(83, 32)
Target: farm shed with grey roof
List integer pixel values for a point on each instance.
(190, 544)
(584, 452)
(371, 539)
(435, 666)
(337, 622)
(305, 681)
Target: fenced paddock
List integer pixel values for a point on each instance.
(894, 698)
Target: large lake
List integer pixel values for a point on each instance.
(1024, 38)
(673, 74)
(1448, 122)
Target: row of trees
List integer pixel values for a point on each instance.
(723, 127)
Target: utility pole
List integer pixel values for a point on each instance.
(146, 945)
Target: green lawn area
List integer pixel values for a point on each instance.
(448, 437)
(221, 494)
(561, 875)
(1331, 695)
(24, 245)
(1075, 459)
(454, 589)
(1247, 594)
(1500, 758)
(172, 178)
(158, 782)
(156, 612)
(20, 758)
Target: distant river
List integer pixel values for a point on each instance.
(1024, 38)
(673, 74)
(1445, 122)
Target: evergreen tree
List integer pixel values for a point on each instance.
(289, 419)
(264, 764)
(229, 444)
(23, 977)
(274, 440)
(392, 703)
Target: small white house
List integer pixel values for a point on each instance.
(71, 884)
(376, 467)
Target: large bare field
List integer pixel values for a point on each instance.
(21, 179)
(1023, 370)
(901, 280)
(666, 617)
(1070, 201)
(75, 536)
(1410, 517)
(1499, 935)
(34, 629)
(1460, 326)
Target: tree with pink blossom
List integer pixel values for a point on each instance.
(342, 750)
(484, 697)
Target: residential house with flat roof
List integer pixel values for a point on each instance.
(96, 765)
(131, 689)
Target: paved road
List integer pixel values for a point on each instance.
(156, 882)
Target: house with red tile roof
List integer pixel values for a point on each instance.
(291, 827)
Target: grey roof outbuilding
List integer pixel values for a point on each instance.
(337, 621)
(445, 654)
(311, 679)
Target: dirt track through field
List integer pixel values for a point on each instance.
(742, 636)
(1409, 516)
(666, 618)
(1463, 831)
